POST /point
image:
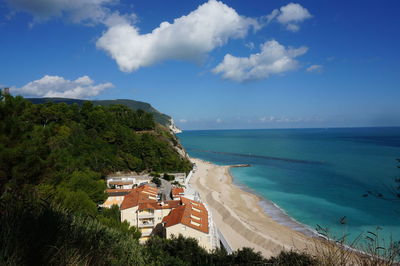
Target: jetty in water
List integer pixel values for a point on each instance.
(240, 165)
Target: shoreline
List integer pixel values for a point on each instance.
(245, 218)
(276, 213)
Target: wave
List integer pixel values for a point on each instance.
(290, 160)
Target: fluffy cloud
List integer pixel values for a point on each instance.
(89, 11)
(315, 68)
(55, 86)
(290, 16)
(189, 37)
(274, 58)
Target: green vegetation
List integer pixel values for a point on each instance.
(156, 180)
(34, 232)
(161, 118)
(59, 144)
(168, 177)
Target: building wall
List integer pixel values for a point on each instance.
(160, 214)
(203, 238)
(130, 215)
(121, 178)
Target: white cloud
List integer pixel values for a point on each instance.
(272, 16)
(189, 37)
(182, 121)
(315, 68)
(88, 11)
(290, 16)
(267, 119)
(293, 27)
(274, 58)
(250, 45)
(55, 86)
(218, 120)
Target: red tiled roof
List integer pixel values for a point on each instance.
(193, 214)
(193, 203)
(170, 204)
(139, 195)
(177, 191)
(174, 217)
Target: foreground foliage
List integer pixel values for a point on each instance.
(35, 232)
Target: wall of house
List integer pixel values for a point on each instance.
(160, 214)
(203, 238)
(130, 215)
(121, 178)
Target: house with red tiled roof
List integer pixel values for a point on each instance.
(190, 220)
(141, 209)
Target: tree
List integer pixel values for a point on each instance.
(156, 181)
(168, 177)
(112, 218)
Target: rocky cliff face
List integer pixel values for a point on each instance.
(174, 128)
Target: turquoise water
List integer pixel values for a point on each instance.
(317, 176)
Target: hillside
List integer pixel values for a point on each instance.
(50, 143)
(159, 117)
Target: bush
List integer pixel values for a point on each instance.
(292, 258)
(156, 181)
(168, 177)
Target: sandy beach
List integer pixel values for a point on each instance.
(239, 216)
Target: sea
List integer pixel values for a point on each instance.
(336, 180)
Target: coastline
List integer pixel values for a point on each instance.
(245, 219)
(277, 213)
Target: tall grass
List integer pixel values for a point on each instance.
(367, 250)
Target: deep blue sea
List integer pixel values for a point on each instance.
(317, 176)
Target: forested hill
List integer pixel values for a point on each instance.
(52, 142)
(159, 117)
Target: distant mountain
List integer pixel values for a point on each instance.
(159, 117)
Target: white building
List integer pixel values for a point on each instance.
(190, 220)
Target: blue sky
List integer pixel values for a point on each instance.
(214, 65)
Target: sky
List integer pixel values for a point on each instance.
(212, 64)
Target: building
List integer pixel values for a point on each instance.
(142, 208)
(121, 182)
(177, 193)
(179, 177)
(190, 220)
(115, 197)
